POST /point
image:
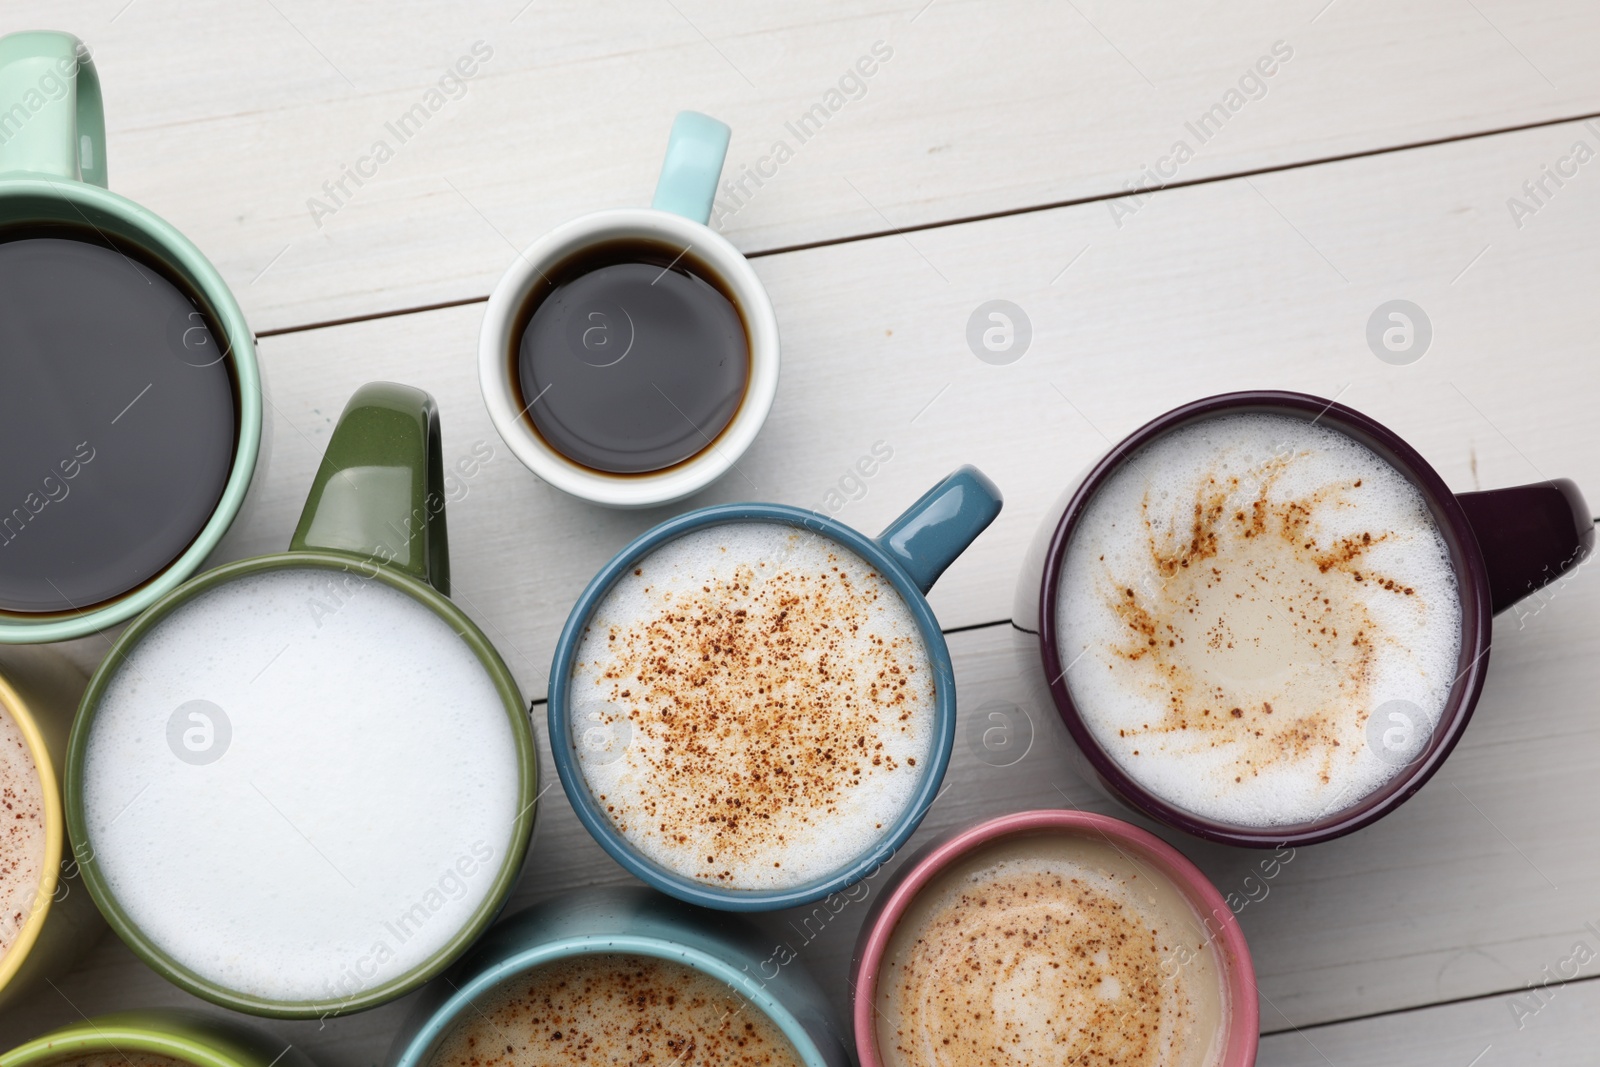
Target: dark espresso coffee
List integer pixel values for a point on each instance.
(631, 357)
(117, 420)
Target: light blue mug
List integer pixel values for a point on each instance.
(634, 921)
(912, 553)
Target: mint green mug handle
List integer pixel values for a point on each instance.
(52, 121)
(689, 173)
(379, 493)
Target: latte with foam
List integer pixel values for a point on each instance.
(1236, 603)
(753, 706)
(615, 1010)
(1044, 949)
(301, 784)
(22, 831)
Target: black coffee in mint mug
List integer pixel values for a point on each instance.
(632, 356)
(118, 418)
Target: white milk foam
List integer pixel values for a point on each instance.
(1238, 598)
(753, 705)
(361, 808)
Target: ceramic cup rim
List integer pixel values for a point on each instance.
(501, 393)
(499, 889)
(1242, 1012)
(1472, 584)
(178, 253)
(425, 1041)
(118, 1032)
(14, 705)
(568, 766)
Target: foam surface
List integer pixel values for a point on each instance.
(753, 705)
(358, 814)
(22, 831)
(1049, 949)
(1239, 599)
(615, 1010)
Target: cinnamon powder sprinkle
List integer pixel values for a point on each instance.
(22, 831)
(613, 1009)
(768, 710)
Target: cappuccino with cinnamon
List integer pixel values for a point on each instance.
(22, 832)
(1043, 949)
(753, 705)
(615, 1010)
(1239, 599)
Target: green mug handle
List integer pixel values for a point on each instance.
(693, 164)
(379, 493)
(52, 120)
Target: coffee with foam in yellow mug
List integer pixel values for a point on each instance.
(47, 919)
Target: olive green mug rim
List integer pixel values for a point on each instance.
(500, 888)
(119, 1033)
(172, 248)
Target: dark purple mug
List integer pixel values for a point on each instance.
(1503, 544)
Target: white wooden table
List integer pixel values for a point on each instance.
(989, 157)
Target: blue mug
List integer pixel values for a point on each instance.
(635, 921)
(912, 553)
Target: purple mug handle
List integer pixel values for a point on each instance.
(1530, 535)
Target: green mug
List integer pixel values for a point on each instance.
(189, 1036)
(53, 174)
(327, 839)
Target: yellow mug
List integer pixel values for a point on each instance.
(39, 690)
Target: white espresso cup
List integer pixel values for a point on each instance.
(677, 217)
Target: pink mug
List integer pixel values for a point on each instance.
(1241, 1011)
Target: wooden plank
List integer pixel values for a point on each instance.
(1171, 307)
(231, 127)
(1474, 1033)
(1472, 888)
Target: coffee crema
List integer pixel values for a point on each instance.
(631, 357)
(1042, 949)
(117, 420)
(22, 831)
(1237, 601)
(615, 1010)
(301, 783)
(752, 705)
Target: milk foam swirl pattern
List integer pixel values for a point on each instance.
(1236, 601)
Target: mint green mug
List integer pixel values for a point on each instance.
(302, 784)
(53, 177)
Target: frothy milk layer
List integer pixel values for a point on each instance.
(1237, 601)
(1047, 949)
(753, 705)
(362, 803)
(614, 1010)
(22, 831)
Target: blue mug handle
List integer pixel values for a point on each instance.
(931, 533)
(689, 173)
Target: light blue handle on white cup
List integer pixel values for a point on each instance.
(931, 533)
(692, 167)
